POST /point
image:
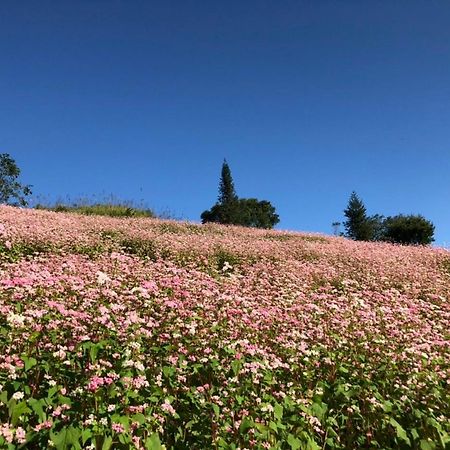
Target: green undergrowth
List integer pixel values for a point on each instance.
(100, 209)
(14, 252)
(295, 237)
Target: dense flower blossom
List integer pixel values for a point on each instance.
(237, 337)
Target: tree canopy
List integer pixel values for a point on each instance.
(232, 210)
(400, 229)
(12, 192)
(409, 229)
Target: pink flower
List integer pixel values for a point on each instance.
(44, 425)
(166, 406)
(118, 428)
(6, 432)
(20, 435)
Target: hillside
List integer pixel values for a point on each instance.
(142, 333)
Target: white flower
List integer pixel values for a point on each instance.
(18, 395)
(267, 407)
(227, 266)
(102, 278)
(139, 366)
(16, 320)
(60, 354)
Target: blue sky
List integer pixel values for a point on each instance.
(307, 100)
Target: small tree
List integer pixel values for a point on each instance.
(227, 194)
(411, 229)
(11, 191)
(336, 226)
(357, 226)
(229, 209)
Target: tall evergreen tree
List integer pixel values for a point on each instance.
(227, 194)
(357, 226)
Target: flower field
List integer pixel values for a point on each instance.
(148, 334)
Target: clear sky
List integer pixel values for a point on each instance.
(307, 99)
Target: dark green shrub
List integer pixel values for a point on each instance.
(409, 229)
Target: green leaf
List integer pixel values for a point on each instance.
(29, 362)
(246, 424)
(85, 435)
(401, 433)
(312, 445)
(319, 409)
(216, 409)
(168, 371)
(387, 406)
(4, 397)
(16, 410)
(66, 438)
(38, 407)
(52, 391)
(425, 445)
(278, 411)
(124, 439)
(236, 366)
(73, 436)
(123, 420)
(294, 442)
(107, 443)
(139, 418)
(153, 442)
(414, 433)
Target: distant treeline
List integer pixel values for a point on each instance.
(232, 210)
(400, 229)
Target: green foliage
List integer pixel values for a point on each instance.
(227, 214)
(246, 212)
(11, 191)
(411, 229)
(257, 214)
(377, 227)
(358, 225)
(227, 193)
(140, 247)
(18, 250)
(225, 260)
(100, 209)
(231, 210)
(400, 229)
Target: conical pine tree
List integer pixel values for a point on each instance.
(357, 226)
(227, 194)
